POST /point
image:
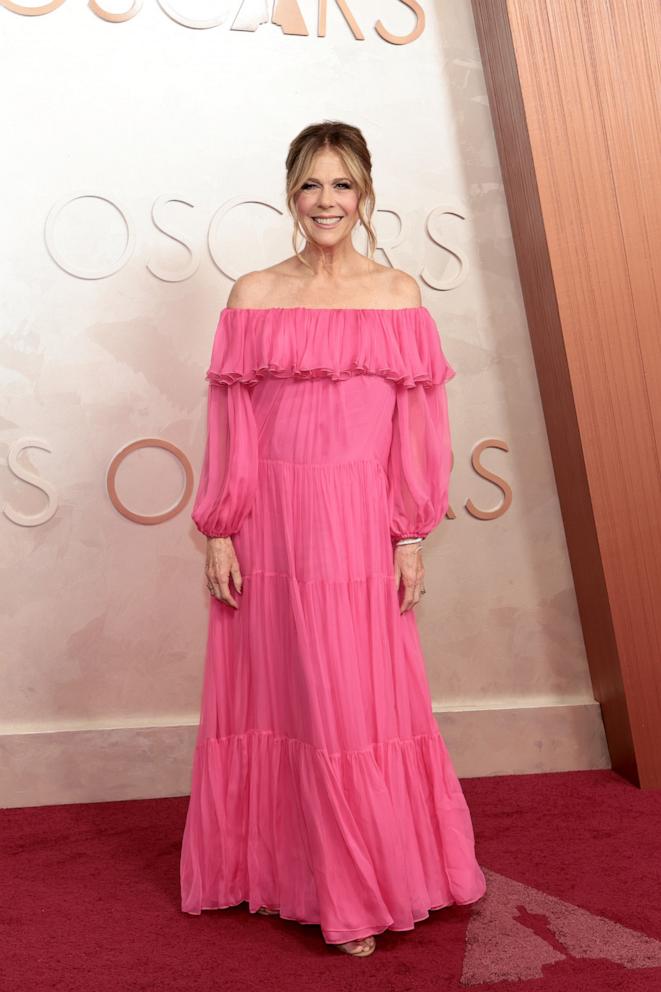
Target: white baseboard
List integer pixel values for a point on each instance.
(522, 739)
(106, 764)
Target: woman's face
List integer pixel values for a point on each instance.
(327, 191)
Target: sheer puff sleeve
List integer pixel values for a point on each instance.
(420, 458)
(228, 479)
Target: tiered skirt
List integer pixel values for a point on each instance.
(321, 784)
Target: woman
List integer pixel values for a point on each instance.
(322, 789)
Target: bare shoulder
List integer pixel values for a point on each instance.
(394, 287)
(253, 289)
(404, 289)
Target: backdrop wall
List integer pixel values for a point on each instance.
(146, 172)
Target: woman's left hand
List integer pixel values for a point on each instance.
(410, 569)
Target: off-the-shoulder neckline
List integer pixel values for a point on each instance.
(323, 309)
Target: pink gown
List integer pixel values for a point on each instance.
(321, 785)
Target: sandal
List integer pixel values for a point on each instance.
(361, 948)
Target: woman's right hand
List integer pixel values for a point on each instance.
(221, 563)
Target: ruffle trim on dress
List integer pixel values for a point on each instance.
(357, 841)
(302, 342)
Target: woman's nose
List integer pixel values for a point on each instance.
(326, 198)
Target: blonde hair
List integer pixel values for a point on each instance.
(349, 143)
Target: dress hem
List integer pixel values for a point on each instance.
(357, 933)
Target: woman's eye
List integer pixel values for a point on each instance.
(344, 185)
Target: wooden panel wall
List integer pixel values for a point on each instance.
(575, 94)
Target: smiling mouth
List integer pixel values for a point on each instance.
(326, 221)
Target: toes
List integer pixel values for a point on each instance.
(359, 944)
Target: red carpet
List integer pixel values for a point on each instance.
(89, 900)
